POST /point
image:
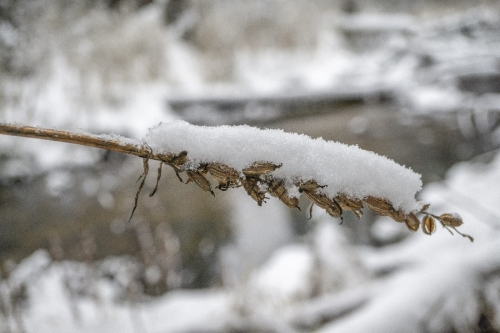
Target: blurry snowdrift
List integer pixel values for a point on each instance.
(423, 284)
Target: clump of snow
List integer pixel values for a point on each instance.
(342, 168)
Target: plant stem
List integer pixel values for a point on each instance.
(107, 142)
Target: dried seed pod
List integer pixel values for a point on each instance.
(251, 185)
(378, 205)
(291, 202)
(309, 185)
(397, 215)
(321, 200)
(412, 222)
(335, 211)
(176, 161)
(276, 189)
(428, 225)
(226, 176)
(223, 171)
(200, 180)
(350, 204)
(451, 220)
(260, 168)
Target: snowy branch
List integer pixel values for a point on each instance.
(110, 142)
(333, 176)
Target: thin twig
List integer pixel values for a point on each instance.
(80, 138)
(145, 166)
(157, 180)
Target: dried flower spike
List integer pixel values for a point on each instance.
(257, 177)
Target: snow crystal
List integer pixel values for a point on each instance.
(343, 168)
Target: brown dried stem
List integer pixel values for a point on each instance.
(79, 138)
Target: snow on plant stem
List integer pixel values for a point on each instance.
(340, 168)
(333, 176)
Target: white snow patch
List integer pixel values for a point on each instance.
(257, 233)
(286, 275)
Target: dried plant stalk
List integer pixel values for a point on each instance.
(76, 137)
(257, 179)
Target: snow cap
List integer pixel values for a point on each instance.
(342, 168)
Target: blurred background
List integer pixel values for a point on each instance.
(416, 81)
